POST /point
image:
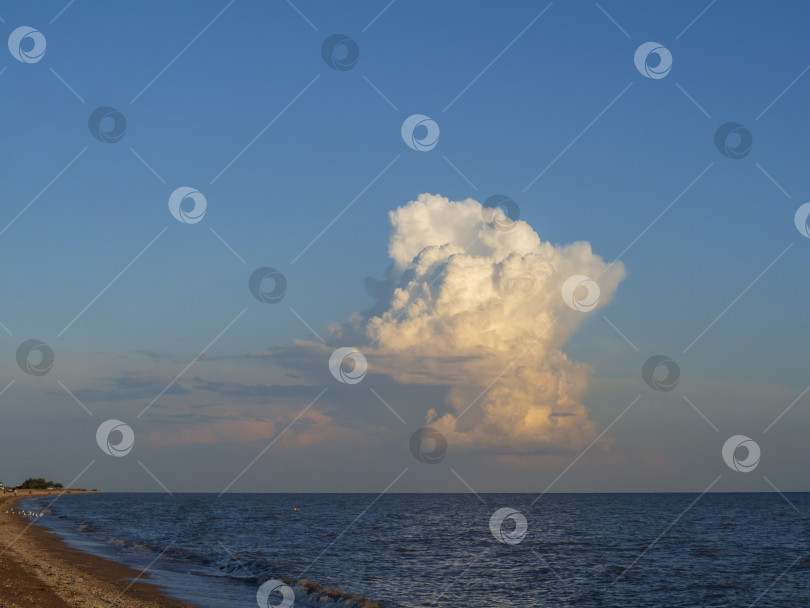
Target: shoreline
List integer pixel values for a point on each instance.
(38, 569)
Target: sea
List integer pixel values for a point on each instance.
(452, 550)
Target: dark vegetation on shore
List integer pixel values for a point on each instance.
(34, 483)
(39, 483)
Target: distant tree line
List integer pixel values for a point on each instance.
(39, 483)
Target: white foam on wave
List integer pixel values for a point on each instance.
(309, 593)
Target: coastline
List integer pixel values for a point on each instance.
(38, 569)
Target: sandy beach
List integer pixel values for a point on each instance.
(38, 569)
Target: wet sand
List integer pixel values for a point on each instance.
(38, 569)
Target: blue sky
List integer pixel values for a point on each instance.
(538, 99)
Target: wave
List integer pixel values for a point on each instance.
(310, 593)
(255, 569)
(248, 567)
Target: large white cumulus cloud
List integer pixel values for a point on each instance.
(480, 310)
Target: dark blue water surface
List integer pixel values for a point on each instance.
(415, 550)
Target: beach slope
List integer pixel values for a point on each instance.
(38, 569)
